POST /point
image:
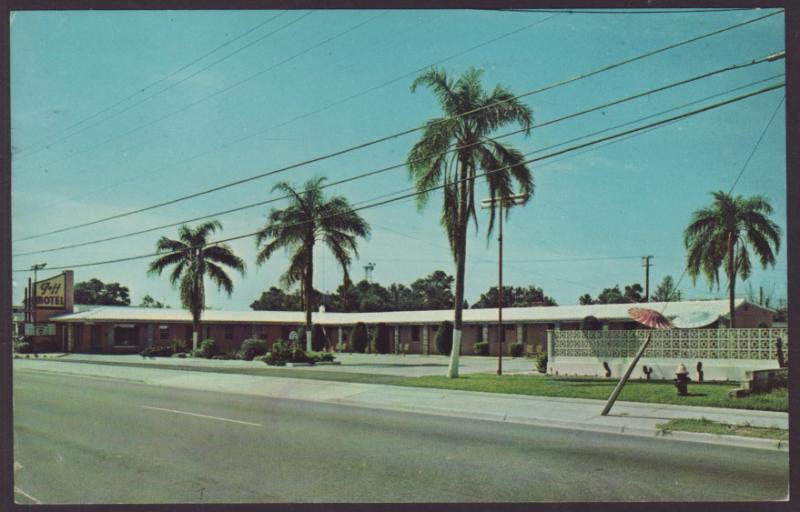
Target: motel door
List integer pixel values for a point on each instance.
(96, 343)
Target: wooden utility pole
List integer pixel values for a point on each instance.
(646, 264)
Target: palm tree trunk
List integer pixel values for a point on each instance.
(309, 287)
(731, 281)
(195, 330)
(461, 255)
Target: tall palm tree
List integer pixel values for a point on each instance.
(310, 218)
(194, 259)
(471, 115)
(720, 235)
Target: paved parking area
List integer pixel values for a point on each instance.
(383, 364)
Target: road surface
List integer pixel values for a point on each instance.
(85, 440)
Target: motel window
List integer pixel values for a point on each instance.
(414, 333)
(228, 332)
(163, 332)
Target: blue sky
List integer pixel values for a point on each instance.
(594, 213)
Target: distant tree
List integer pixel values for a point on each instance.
(434, 291)
(276, 299)
(585, 300)
(515, 297)
(372, 297)
(94, 291)
(780, 312)
(665, 292)
(722, 235)
(402, 298)
(150, 302)
(633, 293)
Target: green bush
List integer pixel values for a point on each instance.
(481, 349)
(251, 348)
(283, 353)
(157, 351)
(178, 346)
(541, 362)
(382, 340)
(359, 338)
(322, 357)
(515, 350)
(318, 339)
(23, 347)
(208, 349)
(444, 338)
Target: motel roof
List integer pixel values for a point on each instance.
(539, 314)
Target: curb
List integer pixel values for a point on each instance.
(727, 440)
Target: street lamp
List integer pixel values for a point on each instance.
(491, 203)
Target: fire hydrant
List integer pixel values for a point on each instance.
(682, 379)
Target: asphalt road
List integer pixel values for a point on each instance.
(90, 440)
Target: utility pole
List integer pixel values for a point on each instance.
(646, 264)
(507, 201)
(36, 267)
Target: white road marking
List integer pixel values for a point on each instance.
(202, 416)
(17, 489)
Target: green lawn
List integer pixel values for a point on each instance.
(706, 426)
(706, 394)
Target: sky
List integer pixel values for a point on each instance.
(115, 111)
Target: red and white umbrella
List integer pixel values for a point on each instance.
(650, 318)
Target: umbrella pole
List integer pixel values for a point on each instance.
(624, 379)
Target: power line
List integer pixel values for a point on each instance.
(403, 164)
(617, 11)
(416, 193)
(758, 142)
(160, 80)
(406, 132)
(214, 94)
(330, 105)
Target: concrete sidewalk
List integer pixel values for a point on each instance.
(581, 414)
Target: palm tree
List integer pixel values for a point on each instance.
(194, 259)
(310, 218)
(471, 115)
(721, 234)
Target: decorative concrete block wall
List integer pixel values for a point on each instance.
(725, 354)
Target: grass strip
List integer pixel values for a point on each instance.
(706, 426)
(660, 392)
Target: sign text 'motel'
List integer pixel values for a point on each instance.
(50, 293)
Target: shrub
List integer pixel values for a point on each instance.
(322, 357)
(283, 353)
(381, 341)
(481, 349)
(251, 348)
(515, 350)
(541, 362)
(208, 349)
(318, 340)
(444, 338)
(359, 338)
(590, 323)
(301, 337)
(157, 351)
(23, 347)
(178, 346)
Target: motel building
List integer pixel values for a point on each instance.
(57, 324)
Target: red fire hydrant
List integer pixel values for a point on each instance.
(682, 380)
